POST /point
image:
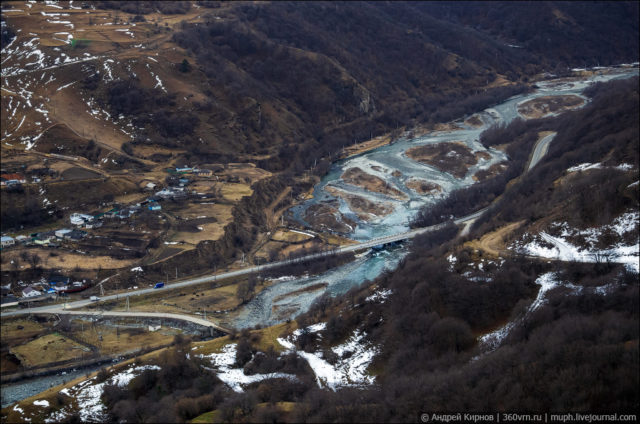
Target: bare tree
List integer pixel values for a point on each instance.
(35, 260)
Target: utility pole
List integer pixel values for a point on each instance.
(176, 273)
(127, 303)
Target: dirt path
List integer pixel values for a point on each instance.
(272, 216)
(493, 243)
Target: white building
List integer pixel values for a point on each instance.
(8, 241)
(30, 292)
(61, 233)
(80, 218)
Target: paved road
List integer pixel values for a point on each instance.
(540, 150)
(249, 270)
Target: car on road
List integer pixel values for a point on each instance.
(159, 285)
(94, 298)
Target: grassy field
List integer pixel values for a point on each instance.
(289, 236)
(18, 330)
(235, 191)
(48, 349)
(68, 261)
(124, 340)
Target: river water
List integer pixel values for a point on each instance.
(14, 392)
(287, 298)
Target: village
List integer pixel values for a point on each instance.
(125, 232)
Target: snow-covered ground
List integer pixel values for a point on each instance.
(558, 247)
(235, 377)
(379, 296)
(354, 357)
(87, 395)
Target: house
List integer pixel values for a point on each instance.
(95, 224)
(184, 181)
(8, 241)
(204, 172)
(165, 193)
(22, 239)
(30, 292)
(150, 186)
(185, 169)
(10, 179)
(154, 207)
(80, 218)
(44, 236)
(62, 232)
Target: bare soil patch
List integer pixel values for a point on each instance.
(365, 146)
(494, 243)
(546, 105)
(474, 121)
(323, 216)
(358, 177)
(492, 171)
(452, 157)
(421, 186)
(364, 208)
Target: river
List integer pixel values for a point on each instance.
(391, 164)
(14, 392)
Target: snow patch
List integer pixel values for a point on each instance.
(235, 377)
(563, 250)
(379, 296)
(354, 357)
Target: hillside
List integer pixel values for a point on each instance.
(187, 139)
(128, 89)
(540, 296)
